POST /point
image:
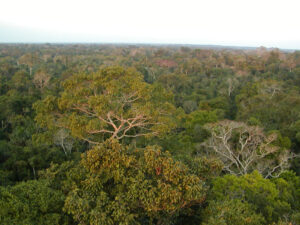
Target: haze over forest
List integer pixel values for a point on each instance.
(230, 23)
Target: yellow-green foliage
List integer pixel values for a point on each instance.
(123, 186)
(111, 103)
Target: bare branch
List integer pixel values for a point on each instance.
(249, 151)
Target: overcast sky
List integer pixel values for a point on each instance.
(270, 23)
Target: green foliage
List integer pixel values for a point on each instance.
(196, 120)
(254, 122)
(262, 194)
(220, 103)
(231, 212)
(122, 186)
(272, 104)
(205, 168)
(289, 184)
(31, 203)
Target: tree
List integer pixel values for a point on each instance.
(41, 79)
(288, 185)
(113, 103)
(189, 106)
(231, 212)
(115, 185)
(228, 86)
(270, 88)
(29, 59)
(194, 124)
(31, 203)
(275, 106)
(244, 148)
(63, 139)
(262, 195)
(21, 81)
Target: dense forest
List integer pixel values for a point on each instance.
(142, 134)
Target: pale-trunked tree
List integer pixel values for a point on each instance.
(243, 149)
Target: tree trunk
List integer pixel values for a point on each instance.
(63, 147)
(33, 170)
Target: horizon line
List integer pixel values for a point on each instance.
(148, 43)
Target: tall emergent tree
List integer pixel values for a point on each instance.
(244, 148)
(113, 103)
